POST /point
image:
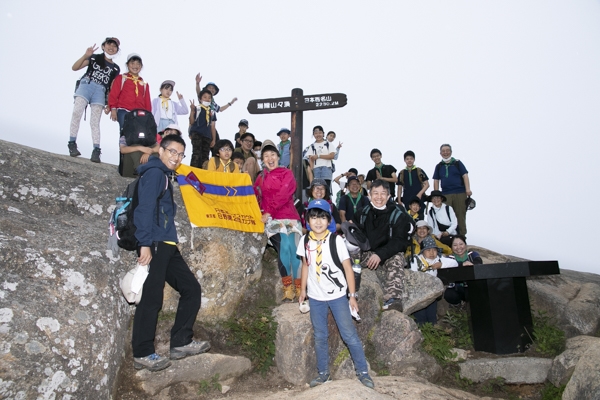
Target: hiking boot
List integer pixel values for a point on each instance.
(392, 304)
(153, 362)
(191, 349)
(73, 152)
(96, 155)
(366, 380)
(289, 290)
(321, 379)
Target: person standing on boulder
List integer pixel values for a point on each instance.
(157, 237)
(453, 177)
(93, 89)
(327, 284)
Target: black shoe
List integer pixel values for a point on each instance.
(73, 152)
(96, 155)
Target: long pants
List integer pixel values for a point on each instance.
(167, 265)
(457, 202)
(394, 274)
(287, 261)
(427, 314)
(319, 310)
(200, 150)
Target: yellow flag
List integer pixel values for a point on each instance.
(219, 199)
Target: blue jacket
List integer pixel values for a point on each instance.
(149, 229)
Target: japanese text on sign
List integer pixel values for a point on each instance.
(273, 105)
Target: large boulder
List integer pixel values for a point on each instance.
(572, 298)
(397, 342)
(192, 370)
(63, 321)
(584, 383)
(518, 370)
(421, 290)
(564, 364)
(226, 262)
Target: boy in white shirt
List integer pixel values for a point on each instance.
(327, 288)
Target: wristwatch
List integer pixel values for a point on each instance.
(355, 295)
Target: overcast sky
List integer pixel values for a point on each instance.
(514, 86)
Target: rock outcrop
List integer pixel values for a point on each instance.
(584, 383)
(564, 364)
(63, 320)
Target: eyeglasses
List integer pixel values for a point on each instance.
(226, 149)
(248, 141)
(174, 153)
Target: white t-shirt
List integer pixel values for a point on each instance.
(332, 283)
(321, 149)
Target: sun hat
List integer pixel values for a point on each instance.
(424, 223)
(428, 243)
(282, 130)
(436, 193)
(168, 82)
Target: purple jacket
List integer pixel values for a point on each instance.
(178, 109)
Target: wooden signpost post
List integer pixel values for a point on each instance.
(296, 104)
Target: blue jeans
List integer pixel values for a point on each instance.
(319, 310)
(322, 172)
(121, 118)
(91, 91)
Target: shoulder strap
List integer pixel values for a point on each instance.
(401, 177)
(123, 79)
(420, 174)
(333, 250)
(363, 215)
(448, 212)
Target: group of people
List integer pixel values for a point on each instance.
(315, 260)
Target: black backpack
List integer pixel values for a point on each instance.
(336, 258)
(121, 220)
(139, 128)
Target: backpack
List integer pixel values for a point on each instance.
(335, 258)
(432, 214)
(139, 128)
(419, 175)
(398, 211)
(121, 220)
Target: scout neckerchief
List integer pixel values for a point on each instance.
(164, 103)
(408, 171)
(447, 164)
(135, 80)
(462, 258)
(207, 112)
(355, 203)
(380, 169)
(225, 166)
(319, 258)
(282, 145)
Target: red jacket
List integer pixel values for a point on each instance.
(275, 193)
(127, 98)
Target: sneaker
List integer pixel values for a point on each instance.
(366, 380)
(321, 379)
(96, 155)
(191, 349)
(153, 362)
(73, 152)
(392, 304)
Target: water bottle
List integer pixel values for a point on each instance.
(356, 267)
(120, 213)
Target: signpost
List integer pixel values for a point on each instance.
(296, 104)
